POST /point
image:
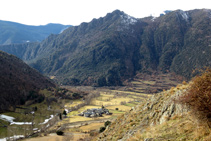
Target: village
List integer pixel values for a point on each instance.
(95, 112)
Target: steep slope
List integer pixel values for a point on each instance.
(177, 42)
(25, 51)
(11, 32)
(113, 48)
(197, 44)
(159, 118)
(19, 82)
(104, 50)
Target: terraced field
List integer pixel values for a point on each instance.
(117, 100)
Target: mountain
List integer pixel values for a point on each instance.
(91, 52)
(11, 32)
(178, 42)
(19, 82)
(113, 48)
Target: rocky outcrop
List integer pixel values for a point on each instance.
(155, 111)
(162, 108)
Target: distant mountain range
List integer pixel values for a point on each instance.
(11, 32)
(19, 82)
(113, 48)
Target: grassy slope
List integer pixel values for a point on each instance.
(160, 118)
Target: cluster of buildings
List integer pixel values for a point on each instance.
(95, 112)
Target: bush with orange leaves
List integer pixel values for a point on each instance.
(198, 96)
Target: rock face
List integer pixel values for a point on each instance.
(166, 106)
(155, 111)
(113, 48)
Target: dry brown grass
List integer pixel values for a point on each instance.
(166, 118)
(176, 128)
(176, 117)
(184, 83)
(172, 90)
(75, 103)
(92, 126)
(120, 107)
(201, 131)
(113, 101)
(208, 138)
(198, 96)
(136, 137)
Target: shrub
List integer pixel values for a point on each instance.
(102, 129)
(198, 96)
(107, 123)
(59, 132)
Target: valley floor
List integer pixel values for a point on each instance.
(117, 100)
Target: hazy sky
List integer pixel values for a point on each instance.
(74, 12)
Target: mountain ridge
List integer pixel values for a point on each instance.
(12, 32)
(95, 30)
(108, 50)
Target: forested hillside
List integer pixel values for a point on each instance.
(113, 48)
(19, 83)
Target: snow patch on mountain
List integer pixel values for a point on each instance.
(6, 118)
(184, 15)
(128, 20)
(47, 120)
(21, 123)
(15, 137)
(153, 19)
(10, 119)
